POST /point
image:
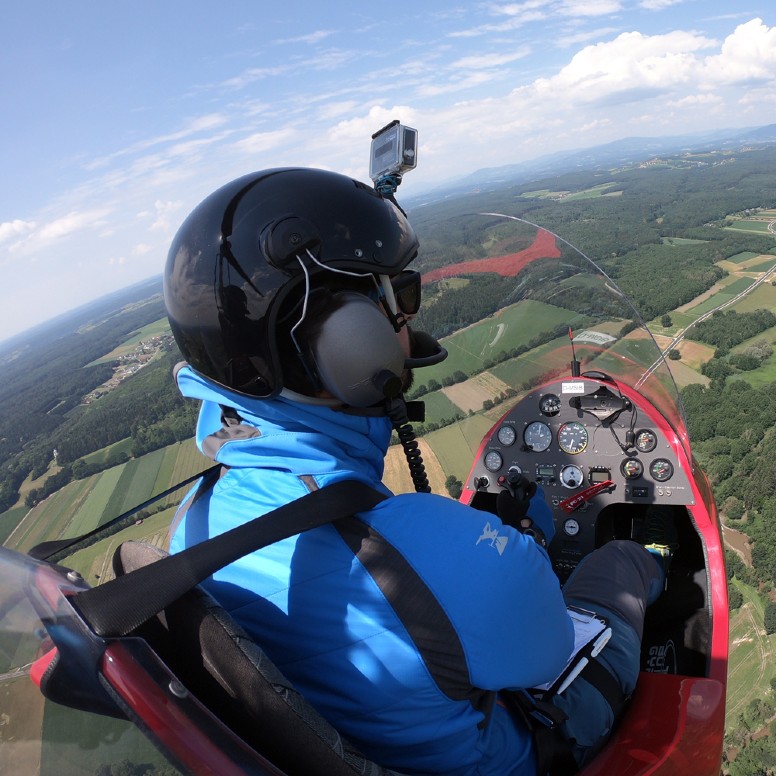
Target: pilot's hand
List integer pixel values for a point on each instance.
(529, 514)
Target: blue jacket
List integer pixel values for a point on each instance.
(477, 606)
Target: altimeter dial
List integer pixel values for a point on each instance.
(537, 436)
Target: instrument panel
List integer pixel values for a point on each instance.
(595, 453)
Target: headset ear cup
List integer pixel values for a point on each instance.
(354, 348)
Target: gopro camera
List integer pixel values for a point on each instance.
(394, 151)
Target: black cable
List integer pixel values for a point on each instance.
(396, 408)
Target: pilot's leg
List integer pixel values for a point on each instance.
(617, 581)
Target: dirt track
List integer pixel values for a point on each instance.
(739, 543)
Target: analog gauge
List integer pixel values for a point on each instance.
(571, 527)
(493, 461)
(571, 476)
(572, 438)
(661, 470)
(646, 440)
(632, 468)
(507, 435)
(549, 405)
(537, 436)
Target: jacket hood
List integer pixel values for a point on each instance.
(284, 434)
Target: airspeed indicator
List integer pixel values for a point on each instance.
(572, 438)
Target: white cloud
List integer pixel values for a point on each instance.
(658, 5)
(15, 228)
(459, 83)
(629, 65)
(583, 36)
(191, 126)
(517, 9)
(71, 223)
(164, 211)
(261, 142)
(484, 61)
(312, 37)
(356, 129)
(748, 55)
(589, 7)
(697, 100)
(514, 22)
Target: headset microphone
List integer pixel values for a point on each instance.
(424, 351)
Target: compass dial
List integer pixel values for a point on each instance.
(549, 404)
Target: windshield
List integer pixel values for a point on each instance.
(515, 306)
(37, 736)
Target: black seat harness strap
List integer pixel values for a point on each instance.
(607, 685)
(544, 719)
(121, 605)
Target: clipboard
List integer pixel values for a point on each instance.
(591, 634)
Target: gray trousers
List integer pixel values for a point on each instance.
(617, 581)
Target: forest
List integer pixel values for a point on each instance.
(725, 330)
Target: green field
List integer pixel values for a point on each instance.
(551, 356)
(740, 258)
(510, 328)
(763, 297)
(102, 455)
(752, 665)
(9, 520)
(438, 406)
(759, 227)
(764, 267)
(77, 743)
(85, 504)
(455, 446)
(567, 196)
(731, 290)
(681, 241)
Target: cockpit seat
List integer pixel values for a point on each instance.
(218, 663)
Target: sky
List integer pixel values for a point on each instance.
(118, 117)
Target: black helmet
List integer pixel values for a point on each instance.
(234, 265)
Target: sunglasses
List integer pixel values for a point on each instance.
(406, 289)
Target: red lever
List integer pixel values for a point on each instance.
(576, 501)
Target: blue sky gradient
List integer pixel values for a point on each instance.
(118, 118)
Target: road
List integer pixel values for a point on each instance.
(766, 276)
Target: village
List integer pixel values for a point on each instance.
(130, 363)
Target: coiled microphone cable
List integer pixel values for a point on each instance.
(396, 408)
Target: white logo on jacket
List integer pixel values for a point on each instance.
(491, 535)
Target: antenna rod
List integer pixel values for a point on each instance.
(575, 371)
